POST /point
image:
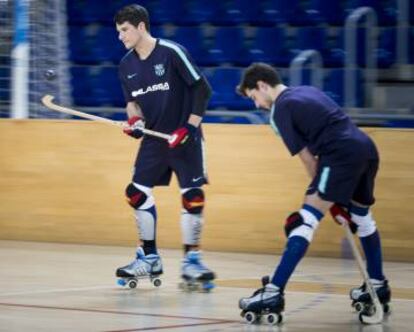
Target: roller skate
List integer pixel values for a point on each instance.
(143, 267)
(267, 302)
(362, 302)
(196, 276)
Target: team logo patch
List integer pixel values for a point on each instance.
(159, 69)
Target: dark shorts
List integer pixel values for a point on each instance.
(156, 162)
(349, 176)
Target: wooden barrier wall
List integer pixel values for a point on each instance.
(63, 181)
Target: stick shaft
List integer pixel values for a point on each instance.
(47, 100)
(377, 318)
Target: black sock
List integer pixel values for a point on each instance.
(189, 247)
(149, 247)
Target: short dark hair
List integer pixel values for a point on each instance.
(257, 72)
(134, 14)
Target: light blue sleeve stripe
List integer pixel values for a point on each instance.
(183, 57)
(324, 179)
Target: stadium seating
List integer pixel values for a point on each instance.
(305, 13)
(94, 44)
(334, 86)
(193, 40)
(81, 12)
(228, 46)
(4, 83)
(230, 12)
(224, 81)
(196, 12)
(96, 86)
(269, 45)
(225, 36)
(386, 51)
(386, 10)
(411, 46)
(267, 12)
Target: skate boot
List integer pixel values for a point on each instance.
(267, 302)
(143, 267)
(195, 274)
(362, 302)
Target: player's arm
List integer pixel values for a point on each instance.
(309, 160)
(135, 120)
(133, 109)
(200, 95)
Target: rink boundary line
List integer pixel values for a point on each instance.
(63, 290)
(56, 290)
(116, 312)
(171, 326)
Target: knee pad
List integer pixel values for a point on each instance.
(193, 200)
(139, 197)
(366, 224)
(301, 224)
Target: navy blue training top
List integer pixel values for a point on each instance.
(160, 84)
(304, 116)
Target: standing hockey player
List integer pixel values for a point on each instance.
(342, 162)
(165, 92)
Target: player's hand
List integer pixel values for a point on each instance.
(341, 215)
(134, 127)
(182, 136)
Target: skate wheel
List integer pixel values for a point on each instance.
(157, 282)
(208, 286)
(132, 284)
(188, 287)
(273, 318)
(121, 282)
(250, 317)
(359, 306)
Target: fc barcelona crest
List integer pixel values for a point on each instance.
(159, 69)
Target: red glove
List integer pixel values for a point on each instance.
(135, 126)
(182, 136)
(340, 215)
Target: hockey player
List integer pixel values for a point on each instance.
(165, 92)
(342, 162)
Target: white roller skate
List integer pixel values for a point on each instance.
(362, 302)
(143, 267)
(195, 274)
(267, 302)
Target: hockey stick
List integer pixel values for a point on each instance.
(47, 100)
(378, 315)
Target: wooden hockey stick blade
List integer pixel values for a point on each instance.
(47, 100)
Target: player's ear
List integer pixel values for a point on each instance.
(262, 86)
(141, 26)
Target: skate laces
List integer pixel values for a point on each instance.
(143, 264)
(269, 288)
(194, 258)
(258, 291)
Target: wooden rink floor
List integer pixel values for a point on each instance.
(63, 287)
